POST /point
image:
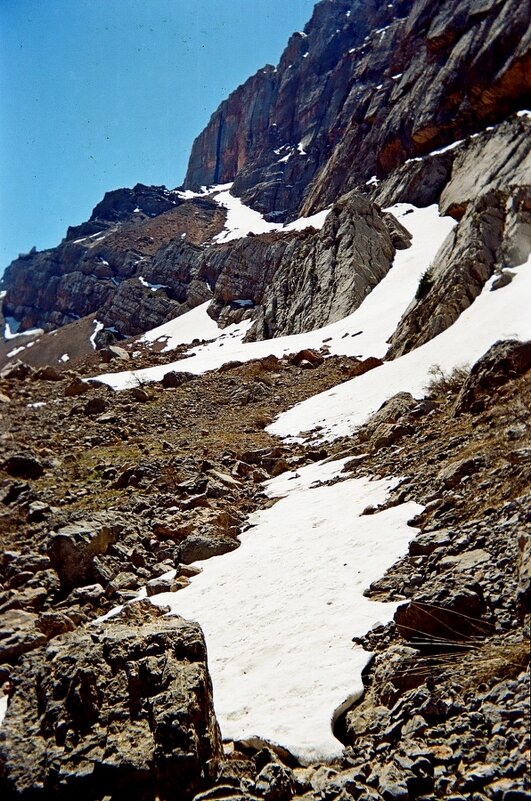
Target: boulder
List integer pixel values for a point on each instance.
(16, 370)
(505, 360)
(197, 547)
(275, 782)
(174, 379)
(458, 615)
(73, 548)
(123, 710)
(19, 633)
(113, 352)
(76, 387)
(390, 412)
(306, 356)
(452, 475)
(48, 373)
(23, 465)
(95, 406)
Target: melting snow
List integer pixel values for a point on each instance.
(195, 324)
(363, 333)
(279, 613)
(440, 150)
(3, 707)
(97, 328)
(493, 315)
(153, 287)
(15, 351)
(11, 330)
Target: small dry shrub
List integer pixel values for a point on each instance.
(255, 371)
(442, 383)
(472, 663)
(261, 421)
(425, 284)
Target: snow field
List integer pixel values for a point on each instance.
(242, 220)
(280, 612)
(363, 333)
(501, 314)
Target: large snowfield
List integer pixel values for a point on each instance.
(280, 612)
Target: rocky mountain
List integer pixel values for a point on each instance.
(364, 93)
(311, 362)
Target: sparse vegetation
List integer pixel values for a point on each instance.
(474, 661)
(425, 284)
(442, 383)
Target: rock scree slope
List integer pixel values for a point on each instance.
(265, 451)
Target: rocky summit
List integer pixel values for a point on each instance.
(265, 453)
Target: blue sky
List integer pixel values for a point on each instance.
(100, 94)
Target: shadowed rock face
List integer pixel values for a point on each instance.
(86, 272)
(127, 706)
(496, 158)
(364, 87)
(332, 272)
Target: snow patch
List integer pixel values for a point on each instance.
(15, 351)
(153, 287)
(280, 612)
(3, 707)
(97, 328)
(195, 324)
(11, 330)
(492, 316)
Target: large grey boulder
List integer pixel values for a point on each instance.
(328, 276)
(485, 241)
(123, 709)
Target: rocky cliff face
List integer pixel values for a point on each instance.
(363, 88)
(366, 92)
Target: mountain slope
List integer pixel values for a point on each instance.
(360, 95)
(278, 388)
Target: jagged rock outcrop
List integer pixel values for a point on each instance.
(85, 273)
(496, 158)
(333, 271)
(126, 707)
(492, 235)
(503, 362)
(364, 87)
